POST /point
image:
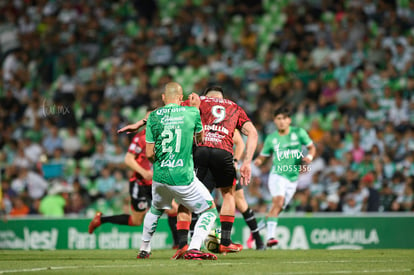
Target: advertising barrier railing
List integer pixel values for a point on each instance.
(293, 232)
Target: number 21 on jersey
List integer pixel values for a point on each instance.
(168, 136)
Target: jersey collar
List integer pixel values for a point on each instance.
(171, 105)
(288, 132)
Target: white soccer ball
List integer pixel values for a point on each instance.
(212, 242)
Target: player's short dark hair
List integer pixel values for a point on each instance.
(282, 111)
(214, 88)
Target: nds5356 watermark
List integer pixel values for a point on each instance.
(301, 168)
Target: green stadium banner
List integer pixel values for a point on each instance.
(293, 232)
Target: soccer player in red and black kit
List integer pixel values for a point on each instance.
(139, 190)
(220, 118)
(241, 204)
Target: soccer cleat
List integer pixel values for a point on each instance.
(95, 222)
(250, 241)
(143, 254)
(231, 248)
(272, 242)
(194, 254)
(179, 254)
(259, 244)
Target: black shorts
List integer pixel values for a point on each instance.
(210, 183)
(141, 196)
(238, 186)
(219, 162)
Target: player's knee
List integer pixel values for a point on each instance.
(172, 212)
(228, 196)
(137, 219)
(227, 191)
(278, 203)
(183, 210)
(136, 222)
(278, 208)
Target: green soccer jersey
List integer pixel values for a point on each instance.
(172, 128)
(287, 152)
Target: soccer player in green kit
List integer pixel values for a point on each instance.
(169, 142)
(285, 145)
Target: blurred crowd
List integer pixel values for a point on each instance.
(73, 72)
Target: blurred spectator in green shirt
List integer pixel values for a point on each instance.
(53, 204)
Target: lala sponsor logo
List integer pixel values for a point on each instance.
(172, 163)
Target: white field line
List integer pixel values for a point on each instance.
(348, 271)
(218, 264)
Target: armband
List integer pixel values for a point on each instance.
(309, 156)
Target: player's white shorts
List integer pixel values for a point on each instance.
(281, 186)
(194, 197)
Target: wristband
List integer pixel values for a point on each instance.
(235, 160)
(309, 156)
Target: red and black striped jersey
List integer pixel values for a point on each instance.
(137, 147)
(220, 117)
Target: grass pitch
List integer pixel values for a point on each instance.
(245, 262)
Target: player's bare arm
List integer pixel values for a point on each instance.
(131, 128)
(133, 164)
(311, 154)
(149, 151)
(199, 137)
(239, 147)
(250, 131)
(260, 160)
